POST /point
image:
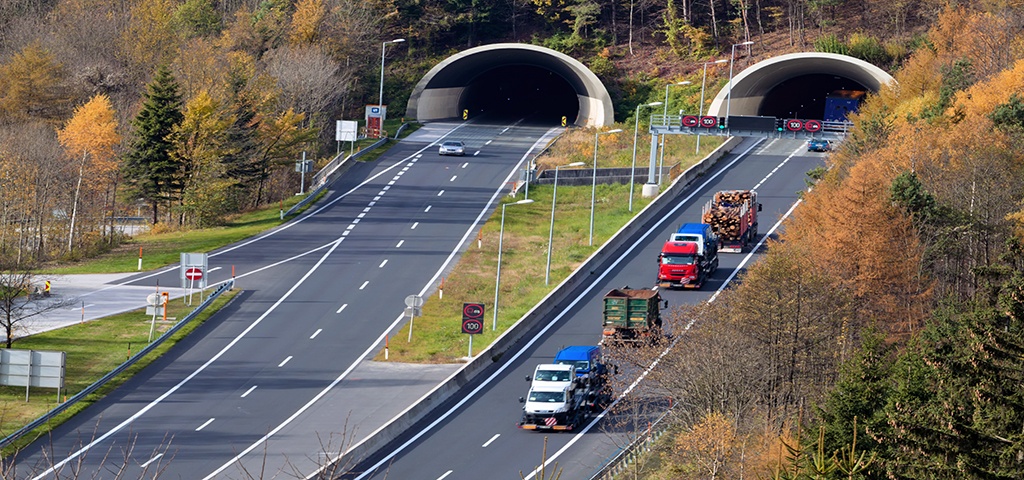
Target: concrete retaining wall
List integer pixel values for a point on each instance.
(559, 295)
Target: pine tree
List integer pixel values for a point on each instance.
(151, 172)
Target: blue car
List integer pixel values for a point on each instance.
(819, 146)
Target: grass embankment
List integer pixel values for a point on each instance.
(93, 349)
(437, 336)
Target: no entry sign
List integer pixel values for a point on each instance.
(193, 274)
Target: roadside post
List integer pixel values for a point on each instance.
(413, 305)
(472, 321)
(193, 269)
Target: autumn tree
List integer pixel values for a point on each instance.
(150, 170)
(150, 38)
(307, 22)
(709, 446)
(32, 86)
(90, 135)
(198, 145)
(280, 140)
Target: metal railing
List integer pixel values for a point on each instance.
(119, 370)
(628, 454)
(321, 178)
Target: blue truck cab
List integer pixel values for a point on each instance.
(586, 359)
(701, 234)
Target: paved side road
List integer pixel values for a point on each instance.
(93, 296)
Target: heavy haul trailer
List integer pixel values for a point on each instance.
(732, 214)
(632, 315)
(554, 403)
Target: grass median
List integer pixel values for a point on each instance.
(93, 349)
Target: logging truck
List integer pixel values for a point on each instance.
(732, 214)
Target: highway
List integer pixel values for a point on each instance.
(474, 434)
(320, 293)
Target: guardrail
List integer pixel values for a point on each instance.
(627, 454)
(518, 184)
(119, 370)
(559, 296)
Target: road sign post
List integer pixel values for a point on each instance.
(192, 271)
(413, 302)
(472, 321)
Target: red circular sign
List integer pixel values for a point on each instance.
(193, 274)
(472, 326)
(708, 122)
(690, 121)
(812, 125)
(794, 124)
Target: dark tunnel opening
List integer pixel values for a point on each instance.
(804, 97)
(512, 92)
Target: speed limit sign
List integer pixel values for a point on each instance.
(794, 124)
(472, 318)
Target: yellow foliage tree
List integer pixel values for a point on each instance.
(307, 21)
(32, 86)
(149, 39)
(91, 134)
(199, 141)
(709, 445)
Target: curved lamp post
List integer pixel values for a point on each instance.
(497, 281)
(593, 187)
(632, 169)
(728, 103)
(380, 98)
(551, 232)
(703, 83)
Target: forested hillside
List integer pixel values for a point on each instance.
(883, 336)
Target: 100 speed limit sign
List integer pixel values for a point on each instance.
(472, 318)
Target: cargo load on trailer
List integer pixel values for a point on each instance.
(732, 214)
(562, 395)
(632, 315)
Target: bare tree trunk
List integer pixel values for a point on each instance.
(631, 26)
(74, 204)
(714, 22)
(615, 34)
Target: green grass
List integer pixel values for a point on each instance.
(93, 349)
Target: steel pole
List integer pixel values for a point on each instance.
(497, 281)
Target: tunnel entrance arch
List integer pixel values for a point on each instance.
(507, 80)
(796, 85)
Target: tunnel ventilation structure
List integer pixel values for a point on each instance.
(796, 85)
(511, 81)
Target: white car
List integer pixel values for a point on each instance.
(452, 147)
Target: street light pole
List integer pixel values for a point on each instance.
(593, 188)
(380, 98)
(728, 102)
(551, 232)
(497, 281)
(703, 83)
(664, 114)
(636, 129)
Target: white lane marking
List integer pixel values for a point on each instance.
(385, 262)
(76, 307)
(386, 188)
(364, 284)
(414, 225)
(777, 167)
(427, 209)
(361, 215)
(485, 212)
(381, 193)
(391, 183)
(543, 332)
(157, 457)
(204, 425)
(400, 242)
(368, 205)
(367, 209)
(377, 198)
(317, 332)
(247, 392)
(476, 153)
(350, 226)
(453, 178)
(488, 142)
(440, 193)
(449, 472)
(345, 233)
(464, 165)
(342, 308)
(214, 269)
(286, 360)
(505, 130)
(495, 437)
(355, 220)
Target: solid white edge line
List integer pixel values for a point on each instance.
(555, 320)
(153, 403)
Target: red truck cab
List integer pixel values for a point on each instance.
(680, 265)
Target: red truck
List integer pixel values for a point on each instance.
(681, 264)
(732, 214)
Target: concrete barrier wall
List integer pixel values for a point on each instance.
(561, 293)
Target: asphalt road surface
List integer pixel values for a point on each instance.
(320, 293)
(474, 435)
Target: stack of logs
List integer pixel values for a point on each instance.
(724, 214)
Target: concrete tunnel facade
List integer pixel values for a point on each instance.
(753, 88)
(448, 88)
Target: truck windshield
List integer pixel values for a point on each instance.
(581, 365)
(673, 259)
(547, 397)
(687, 238)
(552, 376)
